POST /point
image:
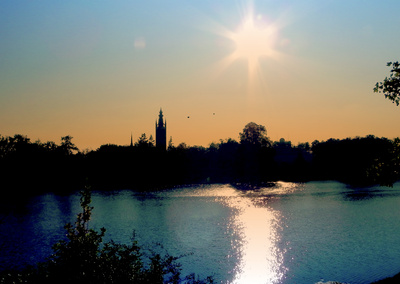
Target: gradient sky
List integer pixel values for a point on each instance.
(99, 70)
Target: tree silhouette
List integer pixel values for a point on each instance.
(254, 134)
(255, 154)
(67, 147)
(145, 142)
(252, 160)
(391, 86)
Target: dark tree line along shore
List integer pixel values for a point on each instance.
(254, 159)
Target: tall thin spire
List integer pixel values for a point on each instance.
(161, 131)
(160, 119)
(131, 140)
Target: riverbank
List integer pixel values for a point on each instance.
(390, 280)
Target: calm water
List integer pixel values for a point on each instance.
(288, 233)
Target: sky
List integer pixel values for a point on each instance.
(101, 70)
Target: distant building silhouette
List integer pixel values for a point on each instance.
(161, 132)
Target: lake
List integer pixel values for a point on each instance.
(285, 233)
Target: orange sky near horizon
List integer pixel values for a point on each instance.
(305, 71)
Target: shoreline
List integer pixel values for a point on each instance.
(390, 280)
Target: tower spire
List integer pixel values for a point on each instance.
(161, 119)
(161, 131)
(131, 140)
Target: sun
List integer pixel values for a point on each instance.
(257, 42)
(253, 41)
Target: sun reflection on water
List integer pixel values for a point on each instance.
(257, 225)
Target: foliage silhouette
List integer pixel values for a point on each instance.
(142, 166)
(67, 147)
(359, 161)
(254, 134)
(35, 166)
(391, 86)
(83, 258)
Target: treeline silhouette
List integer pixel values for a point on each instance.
(252, 160)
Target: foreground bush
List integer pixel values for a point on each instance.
(83, 258)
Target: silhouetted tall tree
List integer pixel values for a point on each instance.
(255, 156)
(254, 134)
(67, 147)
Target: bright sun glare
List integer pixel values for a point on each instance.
(254, 40)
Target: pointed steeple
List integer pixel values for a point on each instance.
(131, 140)
(161, 131)
(161, 119)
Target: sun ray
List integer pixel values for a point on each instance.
(254, 40)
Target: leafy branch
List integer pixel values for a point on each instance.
(391, 85)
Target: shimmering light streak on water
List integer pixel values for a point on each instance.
(257, 226)
(261, 260)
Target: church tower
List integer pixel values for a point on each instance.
(161, 132)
